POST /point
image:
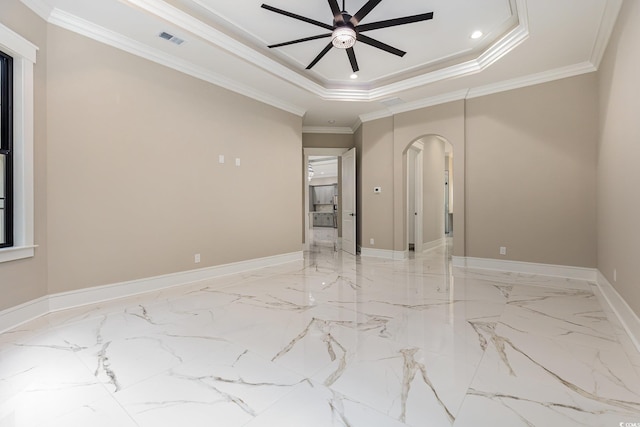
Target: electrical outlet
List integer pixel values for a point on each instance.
(503, 250)
(371, 241)
(196, 258)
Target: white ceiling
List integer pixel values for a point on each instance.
(324, 166)
(525, 42)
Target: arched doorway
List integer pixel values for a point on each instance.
(429, 193)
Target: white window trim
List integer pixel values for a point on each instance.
(24, 58)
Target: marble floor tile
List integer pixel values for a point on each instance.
(333, 340)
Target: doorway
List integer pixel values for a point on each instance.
(429, 196)
(328, 234)
(322, 177)
(414, 196)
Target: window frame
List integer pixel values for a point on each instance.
(23, 53)
(6, 144)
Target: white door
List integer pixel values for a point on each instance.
(349, 201)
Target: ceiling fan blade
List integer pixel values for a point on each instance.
(306, 39)
(364, 11)
(320, 55)
(397, 21)
(375, 43)
(337, 13)
(352, 58)
(298, 17)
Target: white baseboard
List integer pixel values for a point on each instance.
(568, 272)
(384, 253)
(427, 246)
(627, 317)
(15, 316)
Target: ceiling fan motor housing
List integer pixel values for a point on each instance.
(344, 36)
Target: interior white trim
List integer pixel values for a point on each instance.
(627, 317)
(384, 253)
(568, 272)
(17, 252)
(14, 44)
(42, 9)
(15, 316)
(191, 24)
(24, 57)
(328, 129)
(606, 28)
(533, 79)
(118, 41)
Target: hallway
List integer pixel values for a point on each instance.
(335, 340)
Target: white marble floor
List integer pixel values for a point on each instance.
(331, 341)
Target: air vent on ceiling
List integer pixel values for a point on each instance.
(390, 102)
(171, 38)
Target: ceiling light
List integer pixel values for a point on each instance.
(343, 37)
(332, 122)
(476, 34)
(354, 76)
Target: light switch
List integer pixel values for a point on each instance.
(221, 158)
(237, 161)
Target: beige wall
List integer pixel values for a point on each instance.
(384, 146)
(25, 280)
(531, 157)
(327, 140)
(618, 157)
(135, 187)
(375, 212)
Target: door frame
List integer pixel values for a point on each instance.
(418, 215)
(310, 151)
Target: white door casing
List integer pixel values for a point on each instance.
(349, 201)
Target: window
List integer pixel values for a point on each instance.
(6, 154)
(16, 152)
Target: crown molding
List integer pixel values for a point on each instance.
(458, 95)
(328, 130)
(517, 83)
(533, 79)
(610, 16)
(111, 38)
(169, 13)
(42, 9)
(496, 51)
(193, 25)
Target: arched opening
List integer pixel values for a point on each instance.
(429, 193)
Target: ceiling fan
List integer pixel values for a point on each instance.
(346, 30)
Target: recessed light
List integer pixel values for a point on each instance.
(354, 76)
(476, 34)
(332, 122)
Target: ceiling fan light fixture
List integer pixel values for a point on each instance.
(343, 37)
